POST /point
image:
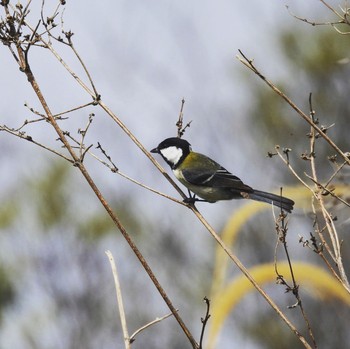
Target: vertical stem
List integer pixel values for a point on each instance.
(119, 300)
(326, 216)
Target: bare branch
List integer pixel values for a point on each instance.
(179, 124)
(115, 169)
(23, 135)
(327, 191)
(326, 215)
(155, 321)
(204, 321)
(343, 18)
(249, 64)
(282, 229)
(286, 161)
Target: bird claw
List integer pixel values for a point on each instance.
(190, 200)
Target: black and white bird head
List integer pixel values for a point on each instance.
(173, 150)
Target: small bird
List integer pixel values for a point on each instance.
(209, 180)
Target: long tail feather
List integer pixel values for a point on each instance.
(276, 200)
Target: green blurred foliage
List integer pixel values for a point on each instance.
(7, 292)
(317, 52)
(52, 199)
(99, 224)
(94, 227)
(8, 212)
(49, 192)
(322, 57)
(270, 333)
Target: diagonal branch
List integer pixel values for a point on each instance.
(249, 64)
(77, 162)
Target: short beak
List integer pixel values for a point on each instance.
(155, 150)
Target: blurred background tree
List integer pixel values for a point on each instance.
(316, 60)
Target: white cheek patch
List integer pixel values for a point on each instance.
(172, 154)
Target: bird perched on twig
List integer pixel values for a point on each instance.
(209, 180)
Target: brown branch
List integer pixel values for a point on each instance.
(282, 229)
(204, 321)
(343, 18)
(246, 273)
(327, 191)
(155, 321)
(179, 124)
(313, 23)
(326, 216)
(249, 64)
(335, 173)
(70, 42)
(77, 162)
(331, 8)
(24, 136)
(115, 169)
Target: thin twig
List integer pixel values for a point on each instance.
(33, 121)
(327, 217)
(318, 248)
(249, 64)
(111, 164)
(343, 18)
(313, 23)
(331, 8)
(311, 157)
(335, 174)
(328, 191)
(155, 321)
(96, 94)
(204, 322)
(290, 167)
(320, 233)
(73, 109)
(179, 124)
(115, 169)
(24, 136)
(281, 229)
(119, 300)
(83, 133)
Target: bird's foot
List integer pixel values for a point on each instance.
(192, 199)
